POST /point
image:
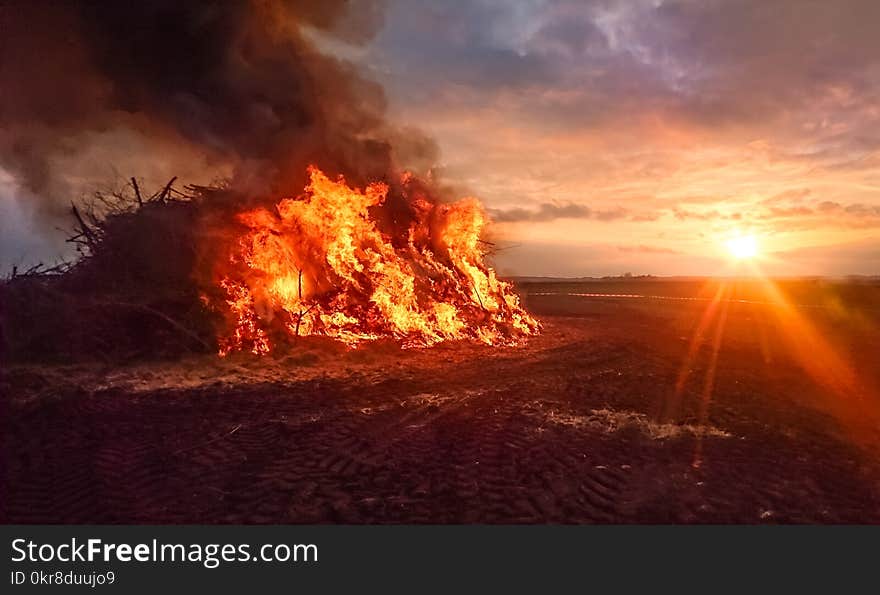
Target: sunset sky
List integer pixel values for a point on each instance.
(624, 135)
(639, 136)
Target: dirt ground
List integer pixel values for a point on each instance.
(581, 425)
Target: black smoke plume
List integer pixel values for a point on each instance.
(236, 88)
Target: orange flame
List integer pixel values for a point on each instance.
(321, 265)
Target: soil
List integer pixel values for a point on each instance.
(582, 424)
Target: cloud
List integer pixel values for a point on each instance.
(611, 214)
(824, 214)
(684, 214)
(859, 257)
(706, 64)
(645, 217)
(552, 211)
(795, 195)
(854, 210)
(785, 212)
(648, 249)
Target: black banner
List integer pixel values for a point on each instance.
(412, 558)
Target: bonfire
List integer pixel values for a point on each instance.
(213, 269)
(321, 264)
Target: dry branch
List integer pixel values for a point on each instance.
(163, 195)
(84, 230)
(137, 192)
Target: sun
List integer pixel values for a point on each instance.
(743, 247)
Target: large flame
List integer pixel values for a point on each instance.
(320, 264)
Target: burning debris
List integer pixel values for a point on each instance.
(321, 264)
(243, 88)
(214, 269)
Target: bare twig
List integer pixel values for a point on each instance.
(137, 192)
(299, 290)
(85, 230)
(479, 298)
(163, 195)
(41, 269)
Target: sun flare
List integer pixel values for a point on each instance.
(743, 247)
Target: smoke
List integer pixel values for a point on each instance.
(232, 88)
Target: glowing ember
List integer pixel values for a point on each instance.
(323, 264)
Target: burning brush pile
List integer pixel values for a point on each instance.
(196, 271)
(357, 265)
(240, 91)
